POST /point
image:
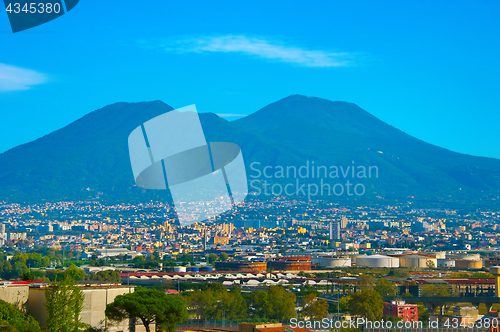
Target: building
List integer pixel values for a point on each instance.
(343, 222)
(45, 228)
(94, 305)
(15, 292)
(333, 261)
(377, 261)
(334, 230)
(408, 312)
(220, 240)
(469, 264)
(268, 327)
(241, 266)
(471, 314)
(417, 261)
(290, 263)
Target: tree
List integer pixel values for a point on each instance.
(345, 304)
(282, 303)
(313, 308)
(11, 319)
(150, 306)
(104, 276)
(217, 303)
(223, 257)
(74, 272)
(275, 303)
(64, 302)
(439, 290)
(237, 304)
(367, 303)
(212, 258)
(260, 304)
(430, 264)
(386, 288)
(366, 282)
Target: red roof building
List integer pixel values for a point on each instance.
(408, 312)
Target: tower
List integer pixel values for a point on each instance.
(495, 270)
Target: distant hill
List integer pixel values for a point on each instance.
(89, 157)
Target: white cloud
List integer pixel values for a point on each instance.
(15, 78)
(263, 48)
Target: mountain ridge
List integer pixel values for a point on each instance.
(90, 155)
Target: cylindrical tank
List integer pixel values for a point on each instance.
(440, 254)
(465, 256)
(377, 261)
(468, 264)
(417, 261)
(335, 262)
(446, 262)
(193, 269)
(207, 268)
(179, 269)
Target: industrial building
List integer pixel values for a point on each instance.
(407, 312)
(94, 305)
(417, 261)
(255, 266)
(469, 264)
(377, 261)
(290, 263)
(333, 261)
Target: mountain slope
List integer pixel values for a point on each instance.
(337, 133)
(90, 156)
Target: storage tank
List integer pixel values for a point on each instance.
(417, 261)
(446, 262)
(207, 268)
(354, 258)
(468, 264)
(193, 269)
(329, 261)
(465, 256)
(179, 269)
(377, 261)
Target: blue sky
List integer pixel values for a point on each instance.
(430, 69)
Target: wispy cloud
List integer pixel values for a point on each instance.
(259, 47)
(15, 78)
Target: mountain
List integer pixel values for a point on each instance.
(89, 157)
(337, 133)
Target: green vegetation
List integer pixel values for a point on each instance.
(367, 303)
(471, 275)
(275, 303)
(216, 303)
(313, 308)
(386, 288)
(151, 306)
(13, 320)
(439, 290)
(64, 302)
(20, 263)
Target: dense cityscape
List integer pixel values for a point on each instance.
(324, 255)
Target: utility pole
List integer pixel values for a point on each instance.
(338, 302)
